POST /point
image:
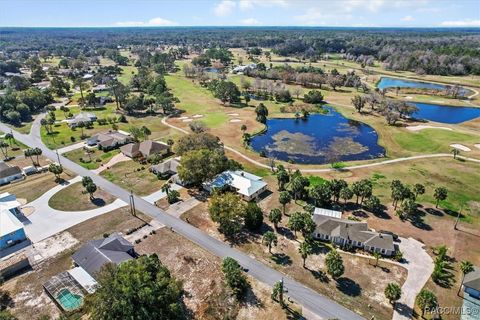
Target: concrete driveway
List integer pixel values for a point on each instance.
(420, 266)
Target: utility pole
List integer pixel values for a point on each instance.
(58, 157)
(132, 204)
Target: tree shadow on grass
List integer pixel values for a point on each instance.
(320, 275)
(349, 287)
(286, 232)
(418, 221)
(281, 259)
(434, 212)
(403, 310)
(99, 202)
(319, 247)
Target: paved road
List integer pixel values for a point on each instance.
(320, 305)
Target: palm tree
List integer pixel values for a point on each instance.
(146, 132)
(377, 257)
(166, 188)
(465, 267)
(269, 239)
(284, 199)
(455, 153)
(29, 153)
(393, 292)
(4, 148)
(426, 300)
(305, 250)
(275, 216)
(9, 138)
(37, 152)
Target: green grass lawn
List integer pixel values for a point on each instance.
(431, 140)
(195, 99)
(98, 157)
(74, 198)
(127, 74)
(130, 176)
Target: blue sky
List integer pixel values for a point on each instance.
(357, 13)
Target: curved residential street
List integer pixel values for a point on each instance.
(311, 300)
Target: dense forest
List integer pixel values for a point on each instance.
(425, 51)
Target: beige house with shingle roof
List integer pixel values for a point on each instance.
(346, 232)
(145, 149)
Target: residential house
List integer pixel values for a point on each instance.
(247, 185)
(352, 233)
(9, 173)
(11, 229)
(168, 169)
(109, 140)
(145, 149)
(241, 69)
(81, 117)
(471, 283)
(93, 255)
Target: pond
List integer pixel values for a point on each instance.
(319, 139)
(445, 114)
(387, 82)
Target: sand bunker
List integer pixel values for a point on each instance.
(187, 120)
(477, 145)
(235, 120)
(460, 147)
(421, 127)
(409, 98)
(181, 118)
(438, 101)
(233, 114)
(197, 116)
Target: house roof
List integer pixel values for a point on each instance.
(106, 139)
(84, 279)
(130, 149)
(472, 279)
(352, 230)
(8, 221)
(93, 255)
(246, 183)
(8, 171)
(169, 165)
(150, 147)
(328, 213)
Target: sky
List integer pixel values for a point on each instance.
(342, 13)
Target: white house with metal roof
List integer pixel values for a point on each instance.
(248, 185)
(11, 229)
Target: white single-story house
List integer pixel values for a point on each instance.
(471, 283)
(11, 229)
(240, 69)
(9, 173)
(81, 117)
(145, 149)
(352, 233)
(109, 140)
(247, 185)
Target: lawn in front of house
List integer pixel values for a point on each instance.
(98, 157)
(75, 198)
(361, 287)
(133, 176)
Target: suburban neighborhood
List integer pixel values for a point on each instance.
(158, 170)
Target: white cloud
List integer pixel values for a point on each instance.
(224, 8)
(251, 4)
(250, 22)
(407, 18)
(154, 22)
(461, 23)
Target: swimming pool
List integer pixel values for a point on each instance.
(69, 300)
